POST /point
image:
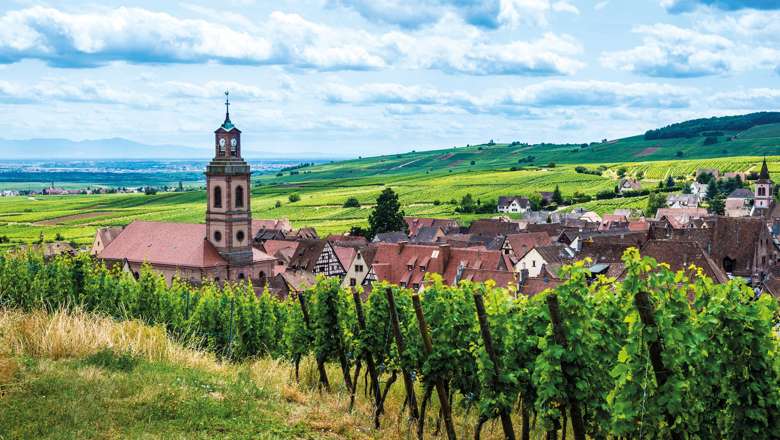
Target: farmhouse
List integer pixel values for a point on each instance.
(514, 204)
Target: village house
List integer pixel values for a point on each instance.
(682, 201)
(515, 204)
(358, 268)
(627, 184)
(221, 249)
(739, 203)
(550, 257)
(414, 224)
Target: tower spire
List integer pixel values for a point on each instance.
(227, 125)
(227, 105)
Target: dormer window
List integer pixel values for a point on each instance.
(409, 267)
(422, 268)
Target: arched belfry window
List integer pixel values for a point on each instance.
(217, 197)
(239, 196)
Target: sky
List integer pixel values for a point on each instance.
(366, 77)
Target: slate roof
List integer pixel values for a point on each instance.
(391, 237)
(427, 234)
(741, 193)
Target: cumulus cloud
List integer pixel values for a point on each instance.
(86, 91)
(678, 6)
(489, 14)
(673, 52)
(404, 99)
(140, 36)
(754, 99)
(157, 95)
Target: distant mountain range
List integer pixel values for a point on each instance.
(120, 148)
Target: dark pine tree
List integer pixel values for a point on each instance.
(387, 215)
(557, 198)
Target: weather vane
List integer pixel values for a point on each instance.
(227, 100)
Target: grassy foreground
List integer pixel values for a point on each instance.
(76, 375)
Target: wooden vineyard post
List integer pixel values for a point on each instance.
(320, 363)
(369, 359)
(654, 348)
(506, 419)
(399, 341)
(577, 423)
(441, 390)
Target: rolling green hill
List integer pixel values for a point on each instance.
(427, 184)
(737, 138)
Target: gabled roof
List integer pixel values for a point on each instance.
(680, 254)
(523, 242)
(307, 253)
(493, 227)
(391, 237)
(523, 202)
(741, 193)
(502, 278)
(415, 223)
(169, 244)
(281, 249)
(281, 224)
(427, 234)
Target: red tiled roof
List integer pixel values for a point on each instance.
(278, 224)
(525, 241)
(345, 255)
(170, 244)
(283, 248)
(502, 278)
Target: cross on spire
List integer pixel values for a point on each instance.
(227, 104)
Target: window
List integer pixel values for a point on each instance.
(217, 236)
(761, 191)
(239, 196)
(358, 268)
(241, 276)
(729, 264)
(422, 268)
(240, 236)
(352, 282)
(533, 263)
(415, 286)
(217, 196)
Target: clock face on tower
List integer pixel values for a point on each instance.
(233, 142)
(222, 142)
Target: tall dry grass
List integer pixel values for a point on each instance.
(75, 334)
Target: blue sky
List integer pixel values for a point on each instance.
(363, 77)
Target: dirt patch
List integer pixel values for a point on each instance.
(66, 218)
(646, 152)
(446, 156)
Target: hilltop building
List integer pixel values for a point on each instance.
(221, 249)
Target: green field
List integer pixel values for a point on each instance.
(425, 189)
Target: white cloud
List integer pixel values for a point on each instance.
(564, 6)
(86, 91)
(140, 36)
(673, 52)
(490, 14)
(601, 5)
(403, 99)
(678, 6)
(755, 99)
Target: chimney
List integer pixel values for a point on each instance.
(444, 254)
(401, 245)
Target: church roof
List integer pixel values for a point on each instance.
(764, 174)
(167, 244)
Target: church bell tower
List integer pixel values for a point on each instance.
(228, 212)
(763, 197)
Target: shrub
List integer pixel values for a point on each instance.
(278, 204)
(294, 197)
(352, 202)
